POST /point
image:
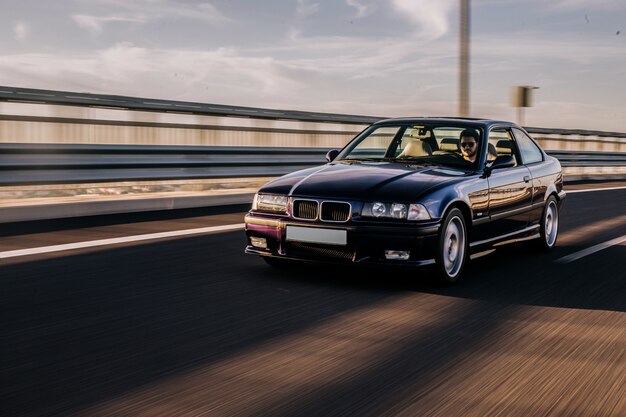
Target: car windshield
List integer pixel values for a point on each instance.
(416, 144)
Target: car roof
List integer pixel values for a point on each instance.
(461, 121)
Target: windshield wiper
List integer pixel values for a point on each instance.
(364, 159)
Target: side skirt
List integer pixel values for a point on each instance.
(509, 237)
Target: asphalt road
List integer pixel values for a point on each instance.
(193, 327)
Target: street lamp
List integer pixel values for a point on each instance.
(522, 97)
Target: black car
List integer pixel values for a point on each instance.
(413, 192)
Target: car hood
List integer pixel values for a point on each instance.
(365, 180)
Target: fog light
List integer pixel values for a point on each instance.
(397, 255)
(258, 242)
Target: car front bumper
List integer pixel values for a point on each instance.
(365, 243)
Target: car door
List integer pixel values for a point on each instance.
(532, 158)
(510, 189)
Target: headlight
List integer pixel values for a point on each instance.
(398, 211)
(395, 211)
(379, 209)
(270, 202)
(418, 212)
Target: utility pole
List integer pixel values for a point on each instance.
(464, 109)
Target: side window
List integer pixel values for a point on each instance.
(528, 149)
(501, 143)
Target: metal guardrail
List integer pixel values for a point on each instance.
(52, 97)
(590, 159)
(31, 95)
(90, 164)
(578, 132)
(32, 164)
(40, 164)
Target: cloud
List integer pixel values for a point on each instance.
(361, 9)
(530, 49)
(95, 24)
(231, 76)
(333, 74)
(21, 31)
(558, 5)
(585, 4)
(431, 16)
(142, 11)
(359, 58)
(306, 8)
(127, 69)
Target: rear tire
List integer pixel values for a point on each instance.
(452, 248)
(549, 226)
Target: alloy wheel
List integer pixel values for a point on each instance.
(454, 246)
(551, 223)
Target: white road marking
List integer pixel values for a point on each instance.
(116, 240)
(481, 254)
(581, 254)
(588, 190)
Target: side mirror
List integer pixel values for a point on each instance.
(331, 155)
(502, 161)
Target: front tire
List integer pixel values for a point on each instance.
(549, 227)
(452, 248)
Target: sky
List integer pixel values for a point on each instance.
(370, 57)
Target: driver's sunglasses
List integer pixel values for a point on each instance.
(468, 144)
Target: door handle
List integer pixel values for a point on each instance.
(526, 178)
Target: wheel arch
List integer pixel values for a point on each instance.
(466, 211)
(552, 191)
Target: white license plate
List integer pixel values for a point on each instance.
(315, 235)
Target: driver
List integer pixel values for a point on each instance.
(469, 144)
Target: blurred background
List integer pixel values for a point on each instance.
(133, 135)
(380, 58)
